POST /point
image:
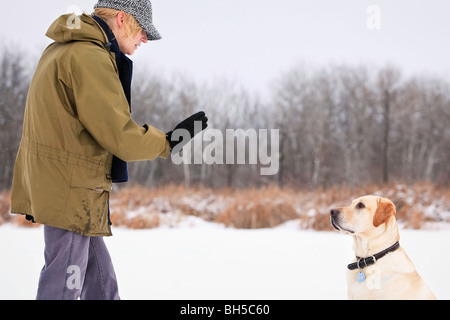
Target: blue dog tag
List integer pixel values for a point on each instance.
(360, 277)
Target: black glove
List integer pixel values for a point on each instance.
(192, 125)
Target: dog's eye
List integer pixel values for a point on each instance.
(360, 205)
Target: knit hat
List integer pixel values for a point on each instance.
(141, 10)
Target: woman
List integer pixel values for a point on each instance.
(77, 135)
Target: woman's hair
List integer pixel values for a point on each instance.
(132, 26)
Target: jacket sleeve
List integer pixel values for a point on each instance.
(103, 110)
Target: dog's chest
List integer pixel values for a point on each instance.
(366, 288)
(382, 279)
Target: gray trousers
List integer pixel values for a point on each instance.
(75, 267)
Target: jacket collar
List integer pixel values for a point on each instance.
(112, 42)
(124, 64)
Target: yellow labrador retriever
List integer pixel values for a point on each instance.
(381, 270)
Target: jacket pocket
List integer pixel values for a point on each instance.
(88, 202)
(90, 179)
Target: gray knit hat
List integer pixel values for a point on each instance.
(141, 10)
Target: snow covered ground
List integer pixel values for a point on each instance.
(200, 260)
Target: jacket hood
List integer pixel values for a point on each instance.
(70, 27)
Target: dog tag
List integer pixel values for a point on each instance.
(360, 276)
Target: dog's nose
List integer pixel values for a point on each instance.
(334, 212)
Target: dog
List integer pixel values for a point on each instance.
(382, 270)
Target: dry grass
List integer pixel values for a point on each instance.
(259, 208)
(5, 213)
(140, 208)
(5, 203)
(271, 206)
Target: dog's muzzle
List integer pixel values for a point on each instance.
(334, 214)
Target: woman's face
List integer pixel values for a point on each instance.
(128, 45)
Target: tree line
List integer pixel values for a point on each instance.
(337, 125)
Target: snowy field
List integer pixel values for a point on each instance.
(206, 261)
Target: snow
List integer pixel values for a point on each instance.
(198, 260)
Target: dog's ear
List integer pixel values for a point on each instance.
(385, 209)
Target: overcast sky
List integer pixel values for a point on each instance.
(253, 41)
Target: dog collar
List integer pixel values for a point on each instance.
(364, 262)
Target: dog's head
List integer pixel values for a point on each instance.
(363, 215)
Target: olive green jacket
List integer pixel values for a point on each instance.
(76, 118)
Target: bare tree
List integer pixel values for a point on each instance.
(338, 124)
(14, 83)
(388, 80)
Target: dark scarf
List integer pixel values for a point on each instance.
(119, 170)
